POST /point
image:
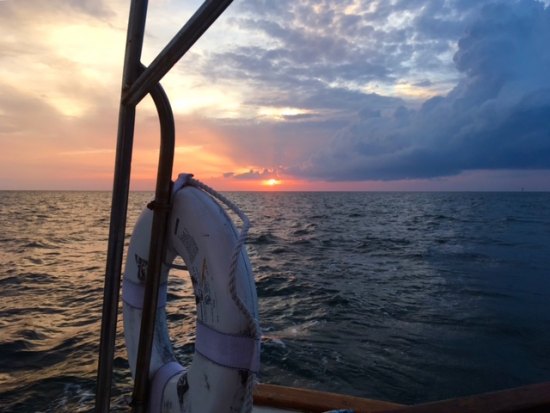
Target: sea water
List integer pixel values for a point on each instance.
(408, 297)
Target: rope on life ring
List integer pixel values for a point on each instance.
(227, 347)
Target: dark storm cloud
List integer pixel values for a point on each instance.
(315, 56)
(441, 20)
(349, 100)
(497, 117)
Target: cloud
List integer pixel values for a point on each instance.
(14, 11)
(60, 52)
(497, 116)
(55, 92)
(337, 63)
(347, 90)
(252, 174)
(296, 51)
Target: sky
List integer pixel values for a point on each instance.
(286, 95)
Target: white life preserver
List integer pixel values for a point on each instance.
(226, 350)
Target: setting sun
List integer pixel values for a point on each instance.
(271, 182)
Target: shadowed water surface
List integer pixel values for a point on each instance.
(407, 297)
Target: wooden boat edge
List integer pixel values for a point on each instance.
(314, 401)
(533, 398)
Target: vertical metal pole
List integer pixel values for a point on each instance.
(121, 185)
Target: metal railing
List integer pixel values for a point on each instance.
(137, 82)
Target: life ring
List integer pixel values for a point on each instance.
(226, 350)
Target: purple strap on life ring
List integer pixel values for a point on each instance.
(228, 350)
(160, 380)
(133, 293)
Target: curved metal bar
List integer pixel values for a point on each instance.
(157, 249)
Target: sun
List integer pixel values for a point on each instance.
(271, 182)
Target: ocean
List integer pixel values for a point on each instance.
(408, 297)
